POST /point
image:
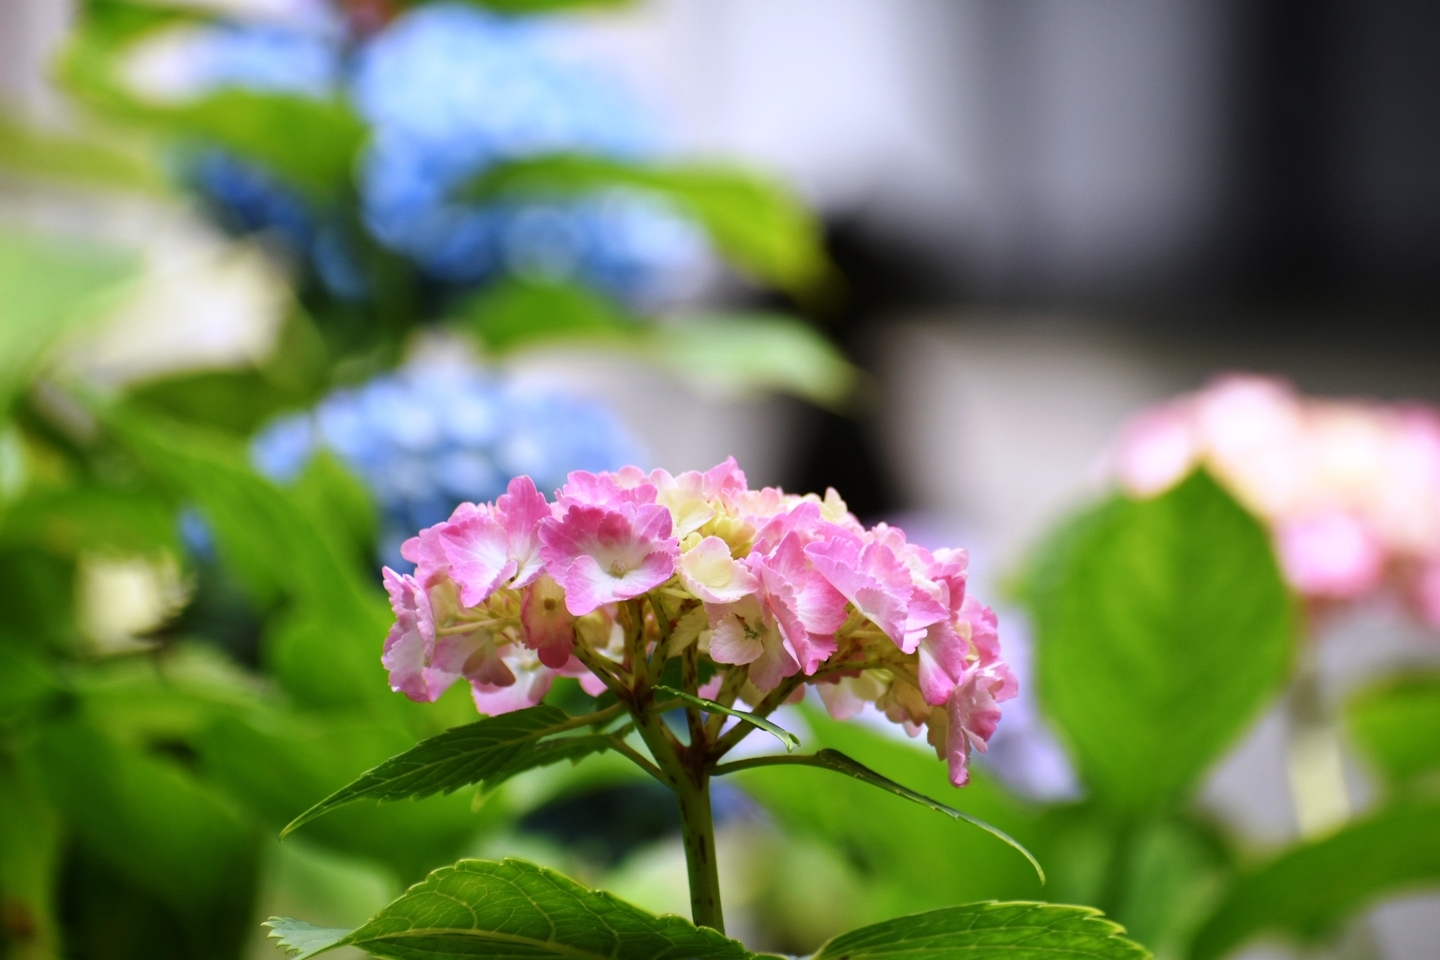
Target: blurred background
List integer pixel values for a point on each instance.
(1032, 220)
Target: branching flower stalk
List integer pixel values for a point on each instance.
(689, 595)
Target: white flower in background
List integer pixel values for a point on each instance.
(119, 600)
(201, 303)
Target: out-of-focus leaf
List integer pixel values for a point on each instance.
(327, 491)
(731, 353)
(1397, 724)
(29, 862)
(995, 931)
(517, 313)
(280, 764)
(485, 751)
(37, 591)
(1175, 871)
(26, 681)
(838, 762)
(171, 696)
(333, 631)
(755, 223)
(1161, 633)
(146, 818)
(47, 289)
(913, 859)
(72, 159)
(516, 909)
(310, 144)
(66, 520)
(1307, 891)
(754, 353)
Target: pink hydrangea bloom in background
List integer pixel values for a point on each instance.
(774, 590)
(1350, 489)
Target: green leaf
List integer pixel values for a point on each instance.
(1397, 725)
(994, 931)
(301, 938)
(750, 353)
(1308, 891)
(780, 733)
(1161, 631)
(76, 159)
(487, 751)
(731, 353)
(310, 144)
(521, 313)
(516, 909)
(47, 289)
(30, 858)
(828, 759)
(759, 226)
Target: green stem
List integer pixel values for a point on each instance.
(697, 827)
(687, 772)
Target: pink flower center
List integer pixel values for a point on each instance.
(618, 568)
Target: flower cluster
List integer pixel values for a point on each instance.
(1350, 489)
(446, 91)
(433, 435)
(627, 570)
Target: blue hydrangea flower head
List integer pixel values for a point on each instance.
(262, 58)
(426, 438)
(449, 90)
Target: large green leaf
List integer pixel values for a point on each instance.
(46, 289)
(1397, 724)
(755, 223)
(486, 751)
(1163, 627)
(514, 909)
(992, 931)
(1308, 891)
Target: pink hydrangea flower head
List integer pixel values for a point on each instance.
(772, 590)
(604, 555)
